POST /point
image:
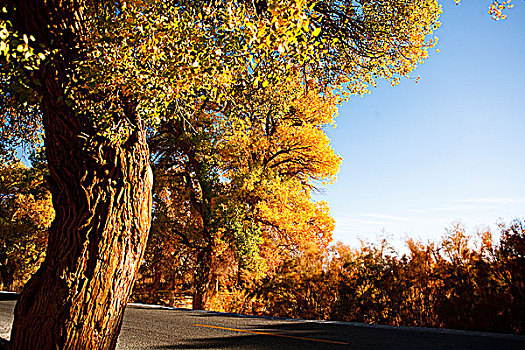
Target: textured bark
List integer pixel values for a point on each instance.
(202, 278)
(102, 199)
(7, 278)
(172, 140)
(77, 298)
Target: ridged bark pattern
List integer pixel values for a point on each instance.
(102, 199)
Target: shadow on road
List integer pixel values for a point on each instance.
(285, 334)
(406, 338)
(249, 342)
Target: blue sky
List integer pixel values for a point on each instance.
(419, 157)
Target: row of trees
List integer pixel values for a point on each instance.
(102, 81)
(228, 190)
(465, 281)
(232, 186)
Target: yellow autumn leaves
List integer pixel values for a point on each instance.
(496, 9)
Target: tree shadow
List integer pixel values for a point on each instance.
(318, 335)
(362, 337)
(278, 335)
(261, 342)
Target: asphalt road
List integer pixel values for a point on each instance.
(154, 328)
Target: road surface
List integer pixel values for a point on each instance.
(151, 328)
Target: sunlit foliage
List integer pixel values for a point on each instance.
(25, 214)
(463, 282)
(234, 187)
(166, 59)
(496, 8)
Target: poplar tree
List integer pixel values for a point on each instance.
(96, 77)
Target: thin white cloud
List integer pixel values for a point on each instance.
(492, 200)
(369, 221)
(389, 217)
(464, 207)
(417, 211)
(351, 221)
(479, 204)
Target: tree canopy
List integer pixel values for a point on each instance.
(242, 179)
(100, 78)
(170, 59)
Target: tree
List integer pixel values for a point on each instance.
(510, 268)
(300, 286)
(243, 177)
(101, 194)
(99, 75)
(25, 215)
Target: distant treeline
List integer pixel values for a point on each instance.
(466, 281)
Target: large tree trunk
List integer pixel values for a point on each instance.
(102, 199)
(7, 277)
(202, 278)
